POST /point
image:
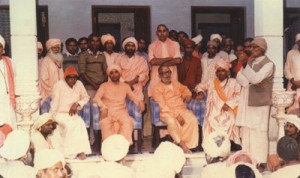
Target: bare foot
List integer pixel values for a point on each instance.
(81, 156)
(184, 147)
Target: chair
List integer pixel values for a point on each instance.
(196, 106)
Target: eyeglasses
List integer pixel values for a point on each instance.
(165, 73)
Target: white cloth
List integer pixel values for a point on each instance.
(52, 142)
(208, 68)
(214, 170)
(114, 148)
(114, 170)
(254, 120)
(232, 57)
(71, 128)
(16, 169)
(221, 54)
(47, 158)
(7, 112)
(292, 70)
(288, 171)
(110, 58)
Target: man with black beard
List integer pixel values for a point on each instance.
(51, 72)
(134, 67)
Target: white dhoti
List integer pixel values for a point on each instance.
(74, 135)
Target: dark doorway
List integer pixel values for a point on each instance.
(229, 21)
(122, 21)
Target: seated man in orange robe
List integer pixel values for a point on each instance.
(111, 98)
(182, 123)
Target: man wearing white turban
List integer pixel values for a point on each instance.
(42, 135)
(7, 88)
(134, 68)
(292, 72)
(221, 103)
(218, 39)
(15, 150)
(51, 72)
(108, 42)
(111, 98)
(256, 78)
(49, 163)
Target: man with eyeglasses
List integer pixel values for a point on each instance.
(256, 77)
(181, 123)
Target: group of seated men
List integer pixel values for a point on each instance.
(179, 73)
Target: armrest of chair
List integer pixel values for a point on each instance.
(135, 113)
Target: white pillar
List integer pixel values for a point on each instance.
(268, 20)
(24, 54)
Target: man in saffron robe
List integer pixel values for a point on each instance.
(7, 88)
(134, 68)
(51, 71)
(111, 98)
(163, 50)
(221, 103)
(68, 97)
(181, 123)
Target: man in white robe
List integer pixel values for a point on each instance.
(221, 103)
(108, 42)
(7, 89)
(68, 97)
(256, 77)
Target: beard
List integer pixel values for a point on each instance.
(56, 57)
(129, 52)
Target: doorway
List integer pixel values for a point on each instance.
(122, 22)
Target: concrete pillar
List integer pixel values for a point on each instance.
(24, 54)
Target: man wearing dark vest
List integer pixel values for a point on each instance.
(256, 77)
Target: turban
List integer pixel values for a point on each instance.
(287, 148)
(40, 45)
(52, 42)
(232, 159)
(261, 42)
(225, 64)
(16, 145)
(294, 120)
(215, 36)
(111, 67)
(212, 43)
(297, 37)
(130, 39)
(172, 154)
(107, 37)
(187, 42)
(42, 119)
(197, 39)
(217, 144)
(47, 158)
(114, 148)
(2, 41)
(70, 71)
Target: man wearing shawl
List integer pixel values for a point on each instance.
(162, 50)
(111, 98)
(51, 71)
(256, 77)
(68, 97)
(182, 123)
(42, 136)
(108, 42)
(7, 88)
(221, 103)
(134, 68)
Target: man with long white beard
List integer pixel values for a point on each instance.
(51, 71)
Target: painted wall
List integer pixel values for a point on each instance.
(73, 17)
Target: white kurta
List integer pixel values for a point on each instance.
(112, 169)
(254, 120)
(288, 171)
(292, 70)
(16, 169)
(40, 143)
(72, 128)
(7, 112)
(110, 58)
(208, 68)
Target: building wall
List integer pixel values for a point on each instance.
(74, 17)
